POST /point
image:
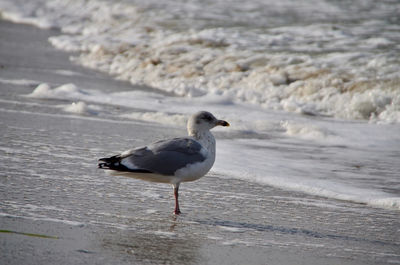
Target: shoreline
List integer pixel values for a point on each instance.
(59, 209)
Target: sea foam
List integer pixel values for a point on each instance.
(324, 68)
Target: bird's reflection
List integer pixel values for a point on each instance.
(167, 242)
(174, 223)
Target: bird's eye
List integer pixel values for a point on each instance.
(207, 118)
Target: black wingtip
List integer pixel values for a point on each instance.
(107, 162)
(111, 159)
(113, 163)
(102, 165)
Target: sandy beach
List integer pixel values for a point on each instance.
(56, 207)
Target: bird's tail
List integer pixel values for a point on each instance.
(114, 163)
(109, 162)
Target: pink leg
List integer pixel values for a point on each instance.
(177, 210)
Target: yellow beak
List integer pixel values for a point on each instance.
(223, 123)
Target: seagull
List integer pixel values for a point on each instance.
(173, 160)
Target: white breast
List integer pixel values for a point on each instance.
(195, 171)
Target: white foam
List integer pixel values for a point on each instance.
(19, 82)
(82, 108)
(159, 117)
(26, 19)
(306, 131)
(77, 107)
(135, 41)
(66, 72)
(65, 91)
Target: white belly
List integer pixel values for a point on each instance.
(144, 176)
(195, 171)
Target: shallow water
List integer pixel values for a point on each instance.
(50, 186)
(313, 97)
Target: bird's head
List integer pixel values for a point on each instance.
(203, 121)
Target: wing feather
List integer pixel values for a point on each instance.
(163, 157)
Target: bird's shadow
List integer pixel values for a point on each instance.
(292, 231)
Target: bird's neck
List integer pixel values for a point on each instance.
(206, 139)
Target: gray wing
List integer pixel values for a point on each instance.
(165, 157)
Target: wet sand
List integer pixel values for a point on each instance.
(56, 207)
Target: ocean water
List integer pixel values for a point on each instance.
(312, 90)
